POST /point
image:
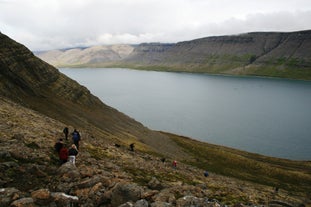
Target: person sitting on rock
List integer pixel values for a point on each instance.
(72, 152)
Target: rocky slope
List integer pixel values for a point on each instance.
(260, 53)
(106, 175)
(36, 102)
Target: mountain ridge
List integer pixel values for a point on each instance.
(276, 54)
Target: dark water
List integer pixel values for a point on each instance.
(261, 115)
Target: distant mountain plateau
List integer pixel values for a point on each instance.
(273, 54)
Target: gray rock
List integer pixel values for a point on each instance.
(127, 204)
(160, 204)
(23, 202)
(155, 184)
(62, 199)
(69, 172)
(90, 182)
(141, 203)
(124, 192)
(191, 201)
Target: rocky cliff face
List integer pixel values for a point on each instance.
(259, 53)
(271, 54)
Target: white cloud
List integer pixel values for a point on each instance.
(67, 23)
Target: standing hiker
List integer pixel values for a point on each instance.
(76, 137)
(174, 164)
(58, 145)
(63, 154)
(132, 147)
(72, 153)
(66, 131)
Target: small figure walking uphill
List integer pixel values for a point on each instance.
(76, 137)
(174, 164)
(66, 132)
(132, 147)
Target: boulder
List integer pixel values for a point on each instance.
(141, 203)
(127, 204)
(69, 172)
(90, 182)
(191, 201)
(165, 196)
(86, 171)
(155, 184)
(41, 196)
(8, 195)
(24, 202)
(124, 192)
(62, 199)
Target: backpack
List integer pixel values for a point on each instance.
(58, 146)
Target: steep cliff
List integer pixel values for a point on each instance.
(276, 54)
(262, 53)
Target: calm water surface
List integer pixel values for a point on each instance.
(261, 115)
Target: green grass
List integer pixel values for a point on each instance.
(294, 176)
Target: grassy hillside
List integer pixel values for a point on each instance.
(294, 176)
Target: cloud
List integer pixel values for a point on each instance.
(52, 24)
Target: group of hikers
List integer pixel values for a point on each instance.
(68, 154)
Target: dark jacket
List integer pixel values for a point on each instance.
(58, 146)
(72, 151)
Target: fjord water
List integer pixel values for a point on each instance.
(262, 115)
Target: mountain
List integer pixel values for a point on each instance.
(277, 54)
(90, 56)
(37, 102)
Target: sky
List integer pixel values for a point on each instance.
(56, 24)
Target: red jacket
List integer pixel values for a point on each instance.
(63, 153)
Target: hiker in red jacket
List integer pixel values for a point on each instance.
(174, 164)
(63, 154)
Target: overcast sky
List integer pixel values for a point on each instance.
(51, 24)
